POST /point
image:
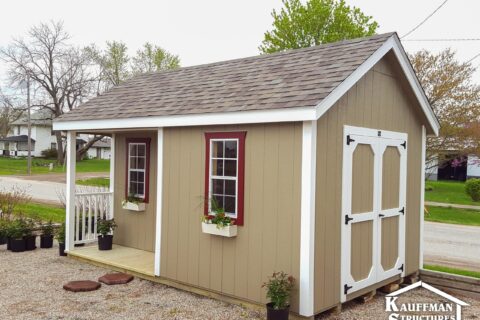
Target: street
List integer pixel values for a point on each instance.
(452, 245)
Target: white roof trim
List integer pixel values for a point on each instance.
(391, 44)
(256, 116)
(430, 288)
(266, 116)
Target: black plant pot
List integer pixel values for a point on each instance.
(105, 242)
(61, 250)
(46, 242)
(17, 245)
(8, 243)
(30, 243)
(281, 314)
(3, 240)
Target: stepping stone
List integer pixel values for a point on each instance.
(82, 286)
(116, 278)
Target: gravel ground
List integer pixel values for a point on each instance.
(31, 288)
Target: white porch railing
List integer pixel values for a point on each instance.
(89, 207)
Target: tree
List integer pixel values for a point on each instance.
(9, 112)
(316, 22)
(113, 63)
(57, 70)
(455, 99)
(152, 58)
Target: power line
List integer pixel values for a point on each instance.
(425, 20)
(475, 57)
(442, 40)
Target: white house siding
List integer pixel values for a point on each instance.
(104, 153)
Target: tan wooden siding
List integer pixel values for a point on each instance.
(380, 100)
(390, 178)
(270, 238)
(362, 179)
(135, 229)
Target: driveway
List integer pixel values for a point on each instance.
(452, 245)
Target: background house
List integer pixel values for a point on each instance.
(43, 138)
(453, 166)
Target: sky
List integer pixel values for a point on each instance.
(214, 30)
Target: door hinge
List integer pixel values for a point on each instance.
(349, 140)
(346, 287)
(381, 215)
(347, 219)
(401, 211)
(404, 145)
(401, 268)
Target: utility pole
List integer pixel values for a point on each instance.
(29, 140)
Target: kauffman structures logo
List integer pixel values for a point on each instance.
(451, 309)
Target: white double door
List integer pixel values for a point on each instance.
(373, 207)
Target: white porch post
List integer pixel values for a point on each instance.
(112, 175)
(70, 192)
(158, 224)
(422, 194)
(307, 220)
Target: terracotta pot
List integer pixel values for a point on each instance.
(46, 242)
(105, 242)
(273, 314)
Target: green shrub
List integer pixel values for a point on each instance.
(279, 286)
(60, 234)
(47, 229)
(472, 188)
(50, 153)
(105, 226)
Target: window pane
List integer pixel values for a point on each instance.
(133, 188)
(140, 189)
(141, 163)
(141, 176)
(230, 149)
(133, 149)
(230, 205)
(217, 167)
(217, 149)
(219, 200)
(133, 176)
(133, 163)
(230, 187)
(141, 150)
(217, 186)
(231, 168)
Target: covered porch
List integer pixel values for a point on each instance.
(136, 241)
(120, 257)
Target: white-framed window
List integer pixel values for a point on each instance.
(137, 173)
(223, 181)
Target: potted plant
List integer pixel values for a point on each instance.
(60, 236)
(16, 233)
(278, 286)
(46, 238)
(3, 231)
(218, 223)
(133, 203)
(30, 237)
(105, 238)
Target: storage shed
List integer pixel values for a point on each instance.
(317, 154)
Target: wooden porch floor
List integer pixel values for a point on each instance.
(120, 257)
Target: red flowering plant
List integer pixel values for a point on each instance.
(217, 215)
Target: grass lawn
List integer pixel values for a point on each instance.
(10, 166)
(447, 192)
(42, 212)
(97, 182)
(453, 215)
(467, 273)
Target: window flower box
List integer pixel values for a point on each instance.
(226, 231)
(133, 206)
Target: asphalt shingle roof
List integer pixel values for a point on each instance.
(290, 79)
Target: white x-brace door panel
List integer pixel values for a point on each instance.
(378, 141)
